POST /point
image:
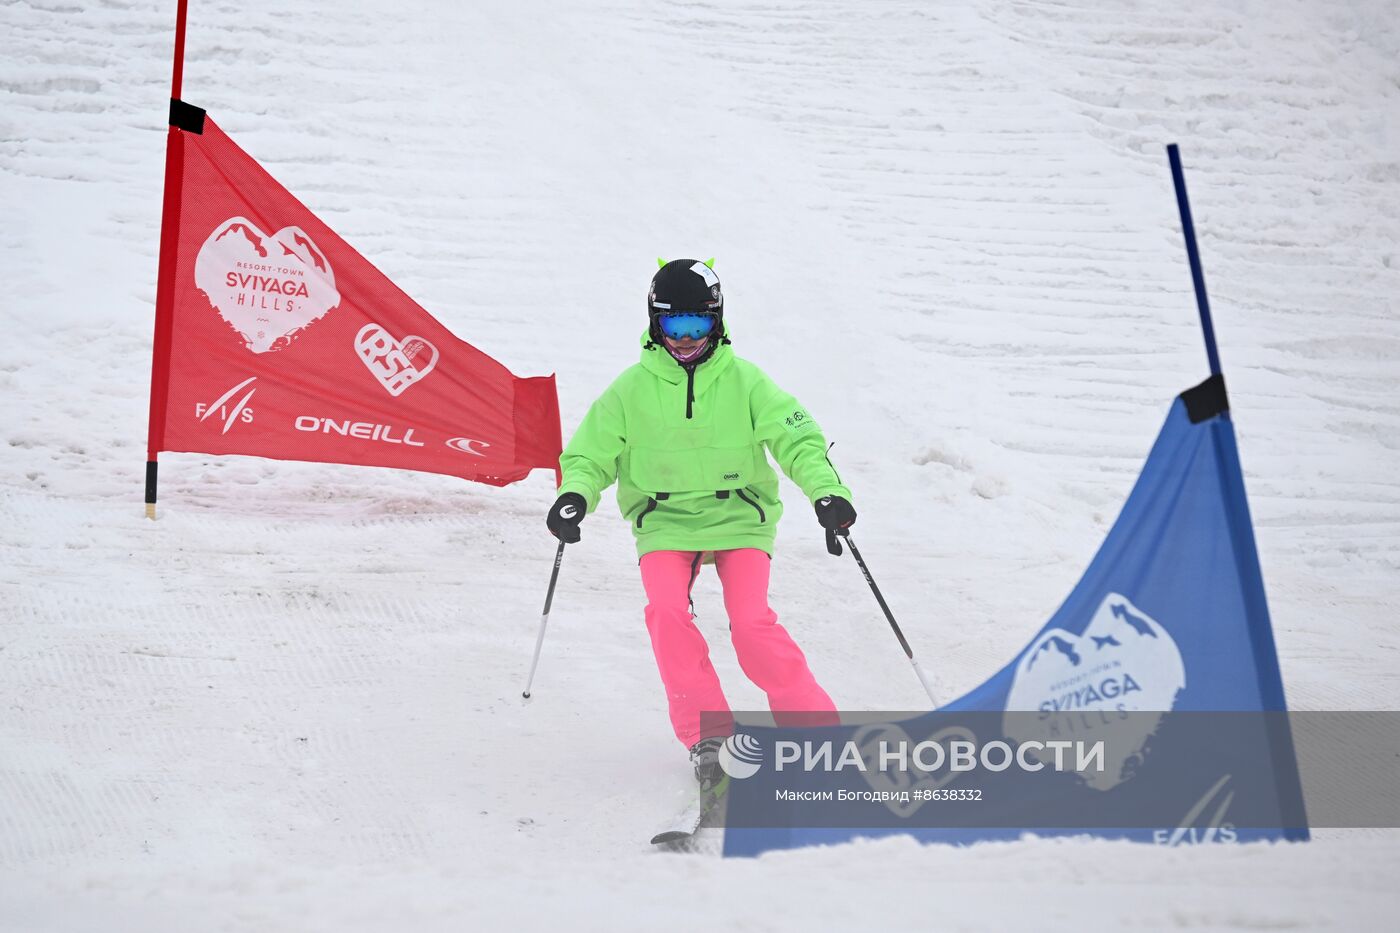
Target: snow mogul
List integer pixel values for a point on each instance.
(683, 432)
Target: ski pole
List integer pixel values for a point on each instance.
(834, 547)
(544, 619)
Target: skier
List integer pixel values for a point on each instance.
(683, 433)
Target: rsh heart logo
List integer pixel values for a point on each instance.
(397, 364)
(900, 785)
(268, 288)
(1083, 685)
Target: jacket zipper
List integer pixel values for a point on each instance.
(651, 506)
(830, 464)
(761, 517)
(689, 390)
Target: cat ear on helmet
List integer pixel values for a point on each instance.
(660, 263)
(710, 262)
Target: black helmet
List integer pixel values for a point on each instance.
(685, 285)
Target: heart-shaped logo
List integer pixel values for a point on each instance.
(268, 288)
(396, 364)
(1083, 687)
(901, 784)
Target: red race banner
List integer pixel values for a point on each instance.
(274, 338)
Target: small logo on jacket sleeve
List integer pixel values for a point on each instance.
(799, 422)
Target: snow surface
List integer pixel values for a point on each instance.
(293, 702)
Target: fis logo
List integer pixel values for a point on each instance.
(1199, 826)
(227, 410)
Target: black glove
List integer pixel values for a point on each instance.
(835, 513)
(564, 517)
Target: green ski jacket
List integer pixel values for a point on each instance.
(686, 448)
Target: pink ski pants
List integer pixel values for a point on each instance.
(767, 654)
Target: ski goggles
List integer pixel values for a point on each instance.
(681, 326)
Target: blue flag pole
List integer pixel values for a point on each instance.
(1241, 529)
(1198, 279)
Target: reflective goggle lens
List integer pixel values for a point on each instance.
(680, 326)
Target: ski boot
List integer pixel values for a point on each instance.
(704, 755)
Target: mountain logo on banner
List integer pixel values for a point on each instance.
(268, 288)
(1124, 661)
(396, 364)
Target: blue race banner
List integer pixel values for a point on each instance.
(1169, 619)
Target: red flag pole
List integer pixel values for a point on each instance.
(165, 275)
(178, 72)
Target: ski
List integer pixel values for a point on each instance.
(689, 821)
(685, 825)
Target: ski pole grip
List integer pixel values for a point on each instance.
(833, 547)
